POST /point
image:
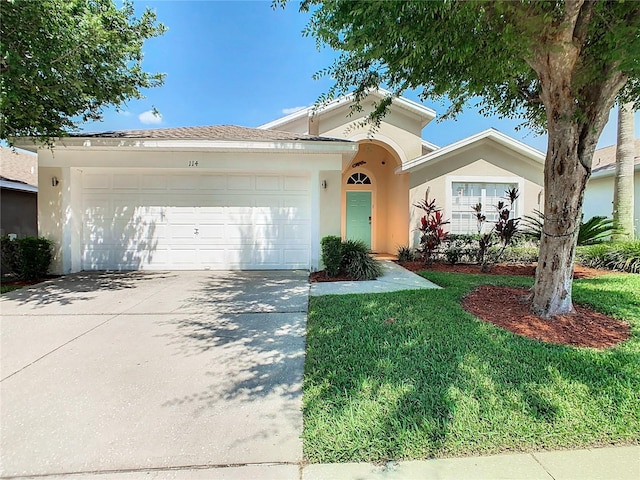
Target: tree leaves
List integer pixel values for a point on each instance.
(64, 61)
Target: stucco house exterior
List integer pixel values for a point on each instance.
(229, 197)
(18, 193)
(598, 197)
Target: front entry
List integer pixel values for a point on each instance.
(359, 216)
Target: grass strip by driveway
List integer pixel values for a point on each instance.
(411, 375)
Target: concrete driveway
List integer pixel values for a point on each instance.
(135, 371)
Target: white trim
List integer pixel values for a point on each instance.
(450, 179)
(610, 172)
(430, 145)
(23, 187)
(425, 114)
(383, 139)
(489, 134)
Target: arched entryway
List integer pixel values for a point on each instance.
(375, 200)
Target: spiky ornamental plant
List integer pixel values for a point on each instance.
(432, 233)
(502, 233)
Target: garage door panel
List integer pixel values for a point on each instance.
(213, 221)
(296, 184)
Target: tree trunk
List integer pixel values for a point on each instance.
(565, 180)
(623, 187)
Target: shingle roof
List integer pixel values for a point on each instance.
(605, 158)
(214, 132)
(18, 167)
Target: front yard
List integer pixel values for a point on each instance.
(411, 375)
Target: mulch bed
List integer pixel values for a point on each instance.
(321, 276)
(509, 308)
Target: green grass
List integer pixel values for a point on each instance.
(9, 288)
(411, 375)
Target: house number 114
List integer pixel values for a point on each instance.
(193, 163)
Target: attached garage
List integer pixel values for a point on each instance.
(213, 198)
(159, 221)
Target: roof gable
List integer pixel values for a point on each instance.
(491, 136)
(422, 113)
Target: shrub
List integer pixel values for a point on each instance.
(432, 234)
(623, 256)
(504, 230)
(331, 254)
(356, 261)
(406, 254)
(597, 229)
(29, 258)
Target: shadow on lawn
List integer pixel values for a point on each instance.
(421, 375)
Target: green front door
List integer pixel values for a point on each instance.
(359, 216)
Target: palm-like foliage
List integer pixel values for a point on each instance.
(597, 229)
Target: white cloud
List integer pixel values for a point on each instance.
(124, 113)
(150, 118)
(287, 111)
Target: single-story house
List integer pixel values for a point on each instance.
(598, 197)
(230, 197)
(18, 193)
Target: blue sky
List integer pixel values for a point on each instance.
(243, 63)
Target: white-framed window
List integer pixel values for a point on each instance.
(359, 178)
(466, 192)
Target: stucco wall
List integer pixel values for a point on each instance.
(598, 199)
(50, 219)
(481, 164)
(399, 132)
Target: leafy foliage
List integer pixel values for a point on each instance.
(406, 254)
(331, 254)
(357, 262)
(29, 258)
(503, 231)
(432, 233)
(63, 61)
(623, 256)
(597, 229)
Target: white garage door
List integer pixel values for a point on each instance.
(212, 221)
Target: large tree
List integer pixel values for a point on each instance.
(63, 61)
(623, 187)
(559, 66)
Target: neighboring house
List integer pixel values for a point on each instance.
(240, 198)
(598, 196)
(18, 193)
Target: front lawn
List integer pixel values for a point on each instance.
(410, 375)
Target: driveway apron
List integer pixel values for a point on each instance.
(133, 371)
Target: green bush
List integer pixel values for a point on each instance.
(357, 263)
(331, 254)
(407, 254)
(29, 258)
(622, 256)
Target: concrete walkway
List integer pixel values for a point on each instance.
(614, 463)
(394, 279)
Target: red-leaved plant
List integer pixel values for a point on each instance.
(431, 232)
(503, 231)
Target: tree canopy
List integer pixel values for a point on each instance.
(475, 50)
(559, 66)
(63, 61)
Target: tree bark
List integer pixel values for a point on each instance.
(623, 187)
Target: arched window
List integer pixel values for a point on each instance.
(359, 179)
